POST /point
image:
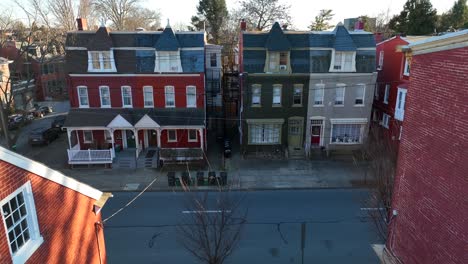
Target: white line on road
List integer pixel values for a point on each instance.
(372, 209)
(206, 212)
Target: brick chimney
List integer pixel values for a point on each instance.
(243, 25)
(82, 24)
(378, 36)
(359, 25)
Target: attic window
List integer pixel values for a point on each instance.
(101, 61)
(168, 61)
(278, 61)
(344, 61)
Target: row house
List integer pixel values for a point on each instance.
(427, 225)
(305, 92)
(133, 92)
(393, 66)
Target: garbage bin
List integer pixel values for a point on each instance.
(212, 178)
(223, 176)
(171, 178)
(200, 178)
(186, 178)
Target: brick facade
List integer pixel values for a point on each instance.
(430, 188)
(66, 220)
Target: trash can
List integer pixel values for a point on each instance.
(200, 178)
(223, 176)
(185, 178)
(171, 178)
(212, 178)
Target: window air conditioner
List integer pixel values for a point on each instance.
(283, 67)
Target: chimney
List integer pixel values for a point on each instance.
(285, 27)
(359, 25)
(378, 36)
(243, 25)
(82, 24)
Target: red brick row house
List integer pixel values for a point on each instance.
(139, 92)
(429, 199)
(46, 216)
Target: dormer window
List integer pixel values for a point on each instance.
(406, 69)
(168, 61)
(278, 61)
(101, 61)
(344, 62)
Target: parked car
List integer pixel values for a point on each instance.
(46, 109)
(58, 122)
(43, 135)
(14, 121)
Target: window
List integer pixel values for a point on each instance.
(297, 95)
(213, 60)
(400, 104)
(170, 96)
(406, 69)
(387, 93)
(381, 58)
(83, 96)
(108, 136)
(22, 228)
(256, 94)
(344, 61)
(318, 94)
(360, 92)
(385, 120)
(167, 61)
(376, 92)
(148, 96)
(171, 135)
(105, 96)
(346, 133)
(339, 94)
(191, 92)
(375, 116)
(192, 135)
(277, 94)
(278, 61)
(264, 133)
(101, 61)
(126, 96)
(87, 136)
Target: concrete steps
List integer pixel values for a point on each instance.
(147, 161)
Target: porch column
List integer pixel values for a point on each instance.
(135, 134)
(69, 138)
(158, 133)
(202, 138)
(112, 138)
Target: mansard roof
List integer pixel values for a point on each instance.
(276, 40)
(167, 41)
(343, 40)
(101, 40)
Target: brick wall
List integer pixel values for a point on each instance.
(66, 220)
(431, 183)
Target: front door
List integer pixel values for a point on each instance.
(295, 128)
(316, 131)
(152, 138)
(130, 136)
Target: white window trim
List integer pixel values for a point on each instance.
(350, 122)
(275, 86)
(101, 62)
(100, 96)
(400, 112)
(405, 67)
(173, 96)
(144, 96)
(341, 85)
(301, 87)
(161, 55)
(251, 142)
(35, 240)
(363, 95)
(353, 63)
(168, 138)
(187, 96)
(79, 97)
(385, 120)
(84, 138)
(123, 101)
(386, 93)
(322, 87)
(196, 136)
(260, 95)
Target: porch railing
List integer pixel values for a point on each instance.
(90, 156)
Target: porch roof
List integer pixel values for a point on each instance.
(99, 117)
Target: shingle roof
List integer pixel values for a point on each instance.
(343, 40)
(162, 116)
(101, 40)
(167, 41)
(276, 40)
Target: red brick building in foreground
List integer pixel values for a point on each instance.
(431, 181)
(47, 217)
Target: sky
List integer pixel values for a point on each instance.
(302, 11)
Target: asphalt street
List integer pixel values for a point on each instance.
(337, 229)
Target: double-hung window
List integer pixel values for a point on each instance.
(318, 94)
(297, 95)
(346, 133)
(148, 96)
(264, 133)
(126, 96)
(278, 61)
(385, 120)
(101, 61)
(171, 135)
(344, 61)
(360, 92)
(256, 94)
(191, 92)
(400, 104)
(192, 135)
(387, 93)
(169, 95)
(21, 225)
(83, 96)
(277, 94)
(105, 96)
(339, 94)
(213, 60)
(168, 61)
(87, 136)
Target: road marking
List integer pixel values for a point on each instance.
(206, 212)
(372, 209)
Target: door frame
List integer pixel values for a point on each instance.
(300, 135)
(322, 130)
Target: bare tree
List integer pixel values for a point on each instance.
(127, 14)
(382, 23)
(261, 14)
(212, 226)
(86, 10)
(143, 17)
(381, 152)
(63, 12)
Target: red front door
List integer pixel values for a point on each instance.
(316, 135)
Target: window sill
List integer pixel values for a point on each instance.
(170, 106)
(172, 141)
(87, 142)
(191, 106)
(24, 253)
(149, 106)
(127, 106)
(359, 105)
(84, 106)
(296, 105)
(264, 144)
(103, 71)
(385, 102)
(192, 141)
(342, 105)
(256, 106)
(106, 106)
(318, 105)
(276, 105)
